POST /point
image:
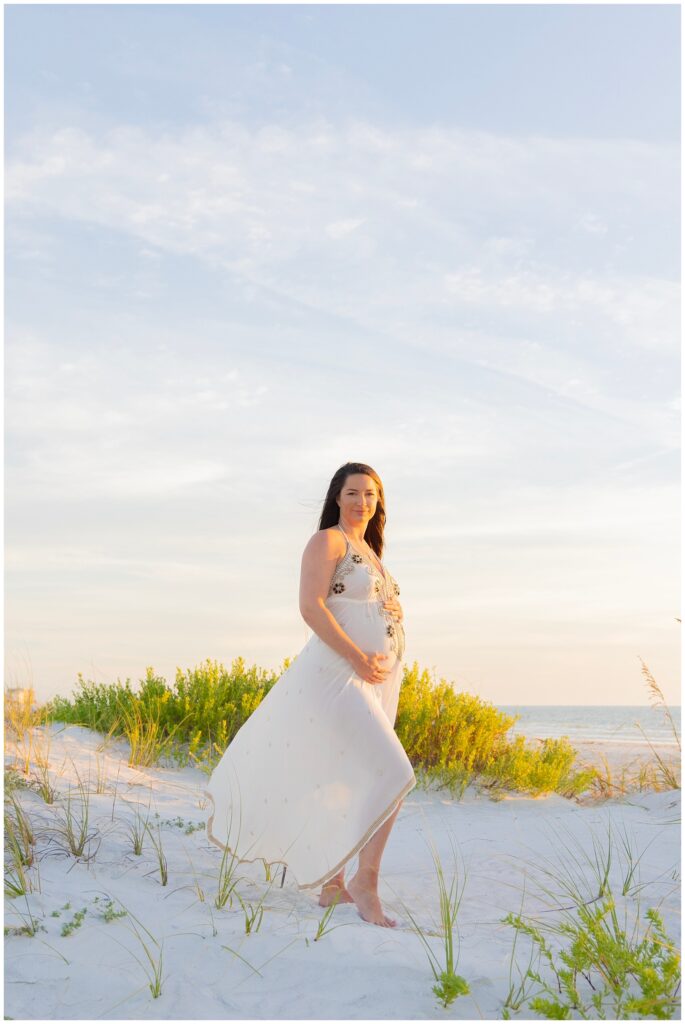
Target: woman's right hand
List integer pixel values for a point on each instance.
(369, 668)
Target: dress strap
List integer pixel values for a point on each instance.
(346, 538)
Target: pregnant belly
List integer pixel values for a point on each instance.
(366, 625)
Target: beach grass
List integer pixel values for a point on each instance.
(324, 927)
(152, 965)
(72, 826)
(448, 984)
(159, 851)
(596, 957)
(41, 780)
(18, 856)
(638, 775)
(137, 830)
(227, 880)
(21, 715)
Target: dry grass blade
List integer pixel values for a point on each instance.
(21, 718)
(669, 775)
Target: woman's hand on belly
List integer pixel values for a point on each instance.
(370, 667)
(393, 606)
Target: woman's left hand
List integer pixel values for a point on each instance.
(393, 606)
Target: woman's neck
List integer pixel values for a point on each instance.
(354, 535)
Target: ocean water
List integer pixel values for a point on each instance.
(604, 724)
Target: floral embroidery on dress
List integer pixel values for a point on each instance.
(383, 586)
(394, 628)
(342, 569)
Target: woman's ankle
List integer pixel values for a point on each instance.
(368, 875)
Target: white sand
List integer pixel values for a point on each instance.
(623, 753)
(358, 970)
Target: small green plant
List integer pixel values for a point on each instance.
(449, 985)
(24, 929)
(110, 914)
(605, 969)
(253, 912)
(611, 964)
(517, 994)
(188, 827)
(77, 920)
(323, 928)
(30, 924)
(228, 879)
(154, 956)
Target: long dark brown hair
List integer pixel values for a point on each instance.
(330, 513)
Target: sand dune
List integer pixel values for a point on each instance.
(357, 971)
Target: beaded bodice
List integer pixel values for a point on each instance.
(356, 579)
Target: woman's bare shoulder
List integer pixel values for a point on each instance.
(328, 543)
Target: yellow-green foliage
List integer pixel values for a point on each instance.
(22, 717)
(204, 710)
(450, 737)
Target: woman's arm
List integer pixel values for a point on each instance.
(319, 560)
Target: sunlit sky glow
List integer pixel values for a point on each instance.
(245, 244)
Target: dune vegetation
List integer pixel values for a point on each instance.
(452, 738)
(583, 944)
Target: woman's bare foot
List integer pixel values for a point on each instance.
(362, 888)
(334, 889)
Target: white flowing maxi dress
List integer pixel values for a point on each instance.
(317, 767)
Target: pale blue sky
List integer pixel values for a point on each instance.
(245, 244)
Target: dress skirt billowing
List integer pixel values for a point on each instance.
(317, 767)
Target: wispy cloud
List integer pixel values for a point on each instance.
(207, 315)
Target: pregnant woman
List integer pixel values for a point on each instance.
(317, 773)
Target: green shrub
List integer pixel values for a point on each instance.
(451, 737)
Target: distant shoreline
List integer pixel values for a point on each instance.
(638, 744)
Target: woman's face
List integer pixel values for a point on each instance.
(358, 499)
